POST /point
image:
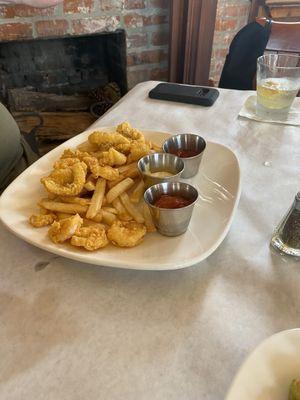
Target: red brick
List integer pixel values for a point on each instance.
(111, 5)
(91, 25)
(15, 31)
(136, 40)
(159, 38)
(135, 20)
(24, 11)
(133, 4)
(159, 74)
(146, 57)
(159, 3)
(78, 6)
(226, 24)
(135, 77)
(155, 19)
(57, 27)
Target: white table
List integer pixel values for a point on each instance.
(70, 331)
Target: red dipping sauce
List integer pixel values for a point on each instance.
(167, 201)
(185, 153)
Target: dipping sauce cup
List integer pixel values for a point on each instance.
(153, 167)
(171, 221)
(189, 148)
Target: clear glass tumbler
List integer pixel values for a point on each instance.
(278, 82)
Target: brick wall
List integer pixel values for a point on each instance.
(232, 15)
(145, 22)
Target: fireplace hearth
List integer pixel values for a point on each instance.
(61, 80)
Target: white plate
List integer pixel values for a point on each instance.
(268, 371)
(218, 182)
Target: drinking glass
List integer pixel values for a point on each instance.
(278, 82)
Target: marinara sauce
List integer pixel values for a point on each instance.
(185, 153)
(168, 201)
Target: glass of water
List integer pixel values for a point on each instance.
(278, 82)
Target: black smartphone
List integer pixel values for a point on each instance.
(199, 95)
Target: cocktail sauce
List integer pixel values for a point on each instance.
(167, 201)
(185, 153)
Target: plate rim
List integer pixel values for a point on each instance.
(62, 252)
(253, 352)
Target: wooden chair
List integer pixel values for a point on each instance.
(284, 36)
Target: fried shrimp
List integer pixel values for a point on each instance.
(90, 237)
(137, 151)
(67, 189)
(107, 140)
(40, 220)
(62, 230)
(126, 234)
(126, 129)
(106, 172)
(112, 157)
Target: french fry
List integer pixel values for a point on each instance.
(148, 218)
(132, 210)
(111, 184)
(89, 185)
(111, 210)
(122, 213)
(137, 192)
(97, 199)
(76, 200)
(68, 208)
(132, 172)
(156, 147)
(120, 188)
(108, 218)
(61, 215)
(127, 167)
(98, 217)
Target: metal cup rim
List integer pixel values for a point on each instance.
(171, 209)
(163, 178)
(181, 134)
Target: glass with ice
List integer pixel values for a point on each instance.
(278, 82)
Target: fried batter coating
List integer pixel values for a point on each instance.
(69, 153)
(123, 148)
(106, 140)
(65, 162)
(62, 230)
(137, 151)
(67, 189)
(40, 220)
(61, 176)
(112, 157)
(127, 130)
(126, 234)
(106, 172)
(90, 237)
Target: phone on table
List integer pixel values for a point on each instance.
(190, 94)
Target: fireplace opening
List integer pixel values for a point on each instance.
(59, 86)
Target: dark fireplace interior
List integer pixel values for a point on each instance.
(73, 79)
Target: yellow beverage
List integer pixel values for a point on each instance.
(276, 93)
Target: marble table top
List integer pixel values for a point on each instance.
(72, 331)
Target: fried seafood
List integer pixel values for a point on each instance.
(137, 151)
(90, 237)
(126, 129)
(112, 157)
(106, 140)
(126, 234)
(40, 220)
(67, 189)
(95, 194)
(62, 230)
(106, 171)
